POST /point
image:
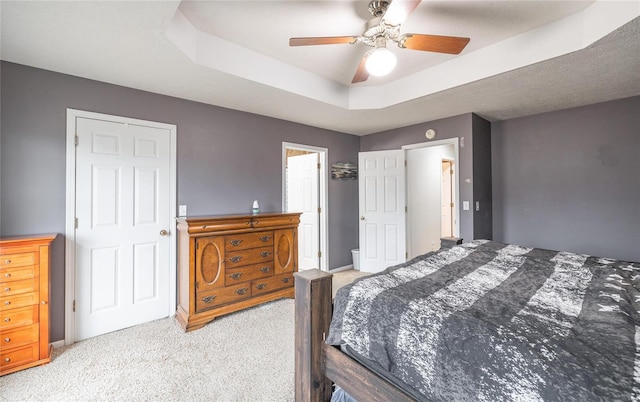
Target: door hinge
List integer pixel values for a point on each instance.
(452, 205)
(319, 254)
(451, 172)
(319, 209)
(319, 166)
(197, 285)
(74, 306)
(76, 140)
(406, 255)
(406, 209)
(75, 222)
(405, 163)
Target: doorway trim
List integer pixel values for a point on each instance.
(70, 202)
(322, 191)
(456, 177)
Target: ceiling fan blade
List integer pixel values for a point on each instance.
(324, 40)
(399, 10)
(361, 73)
(433, 43)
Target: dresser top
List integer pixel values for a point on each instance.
(27, 239)
(203, 218)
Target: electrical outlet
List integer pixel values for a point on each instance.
(182, 210)
(477, 205)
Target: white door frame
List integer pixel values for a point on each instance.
(323, 156)
(456, 178)
(70, 247)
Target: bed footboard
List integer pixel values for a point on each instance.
(318, 364)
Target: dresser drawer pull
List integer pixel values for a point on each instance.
(7, 261)
(265, 253)
(7, 340)
(7, 275)
(7, 319)
(235, 242)
(7, 289)
(242, 291)
(7, 303)
(236, 275)
(265, 269)
(208, 299)
(7, 360)
(265, 238)
(261, 286)
(235, 258)
(285, 280)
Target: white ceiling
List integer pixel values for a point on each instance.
(524, 57)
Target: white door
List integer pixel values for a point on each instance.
(382, 209)
(446, 221)
(123, 211)
(302, 196)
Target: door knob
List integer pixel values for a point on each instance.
(362, 218)
(163, 232)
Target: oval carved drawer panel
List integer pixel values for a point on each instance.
(19, 337)
(17, 287)
(248, 240)
(20, 300)
(18, 316)
(229, 294)
(209, 263)
(16, 357)
(260, 286)
(247, 257)
(18, 260)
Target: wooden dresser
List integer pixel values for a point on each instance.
(230, 262)
(24, 302)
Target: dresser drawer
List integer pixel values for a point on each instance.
(248, 257)
(17, 273)
(248, 240)
(276, 220)
(17, 287)
(248, 273)
(17, 260)
(19, 300)
(267, 285)
(15, 357)
(213, 298)
(19, 337)
(18, 317)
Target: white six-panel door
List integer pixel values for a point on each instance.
(123, 225)
(381, 179)
(302, 196)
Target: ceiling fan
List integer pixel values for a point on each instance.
(388, 15)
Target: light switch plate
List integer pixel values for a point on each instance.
(182, 210)
(465, 205)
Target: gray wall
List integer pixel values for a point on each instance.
(463, 127)
(482, 181)
(226, 159)
(570, 180)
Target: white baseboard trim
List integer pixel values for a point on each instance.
(343, 268)
(58, 344)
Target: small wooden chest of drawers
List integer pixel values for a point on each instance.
(231, 262)
(24, 302)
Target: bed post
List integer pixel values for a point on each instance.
(312, 319)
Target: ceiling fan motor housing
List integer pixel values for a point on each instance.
(377, 8)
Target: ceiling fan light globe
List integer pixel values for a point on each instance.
(380, 62)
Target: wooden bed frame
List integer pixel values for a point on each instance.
(317, 364)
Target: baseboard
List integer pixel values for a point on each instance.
(339, 269)
(58, 344)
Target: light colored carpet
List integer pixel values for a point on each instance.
(245, 356)
(343, 278)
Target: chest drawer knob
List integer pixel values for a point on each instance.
(7, 275)
(7, 340)
(235, 242)
(7, 261)
(265, 269)
(261, 286)
(208, 299)
(242, 291)
(236, 275)
(44, 302)
(265, 253)
(235, 258)
(7, 319)
(7, 303)
(7, 360)
(265, 238)
(7, 289)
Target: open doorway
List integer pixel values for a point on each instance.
(432, 193)
(304, 190)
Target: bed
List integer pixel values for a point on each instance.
(479, 321)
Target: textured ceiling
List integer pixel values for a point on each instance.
(524, 57)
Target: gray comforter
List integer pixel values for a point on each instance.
(493, 322)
